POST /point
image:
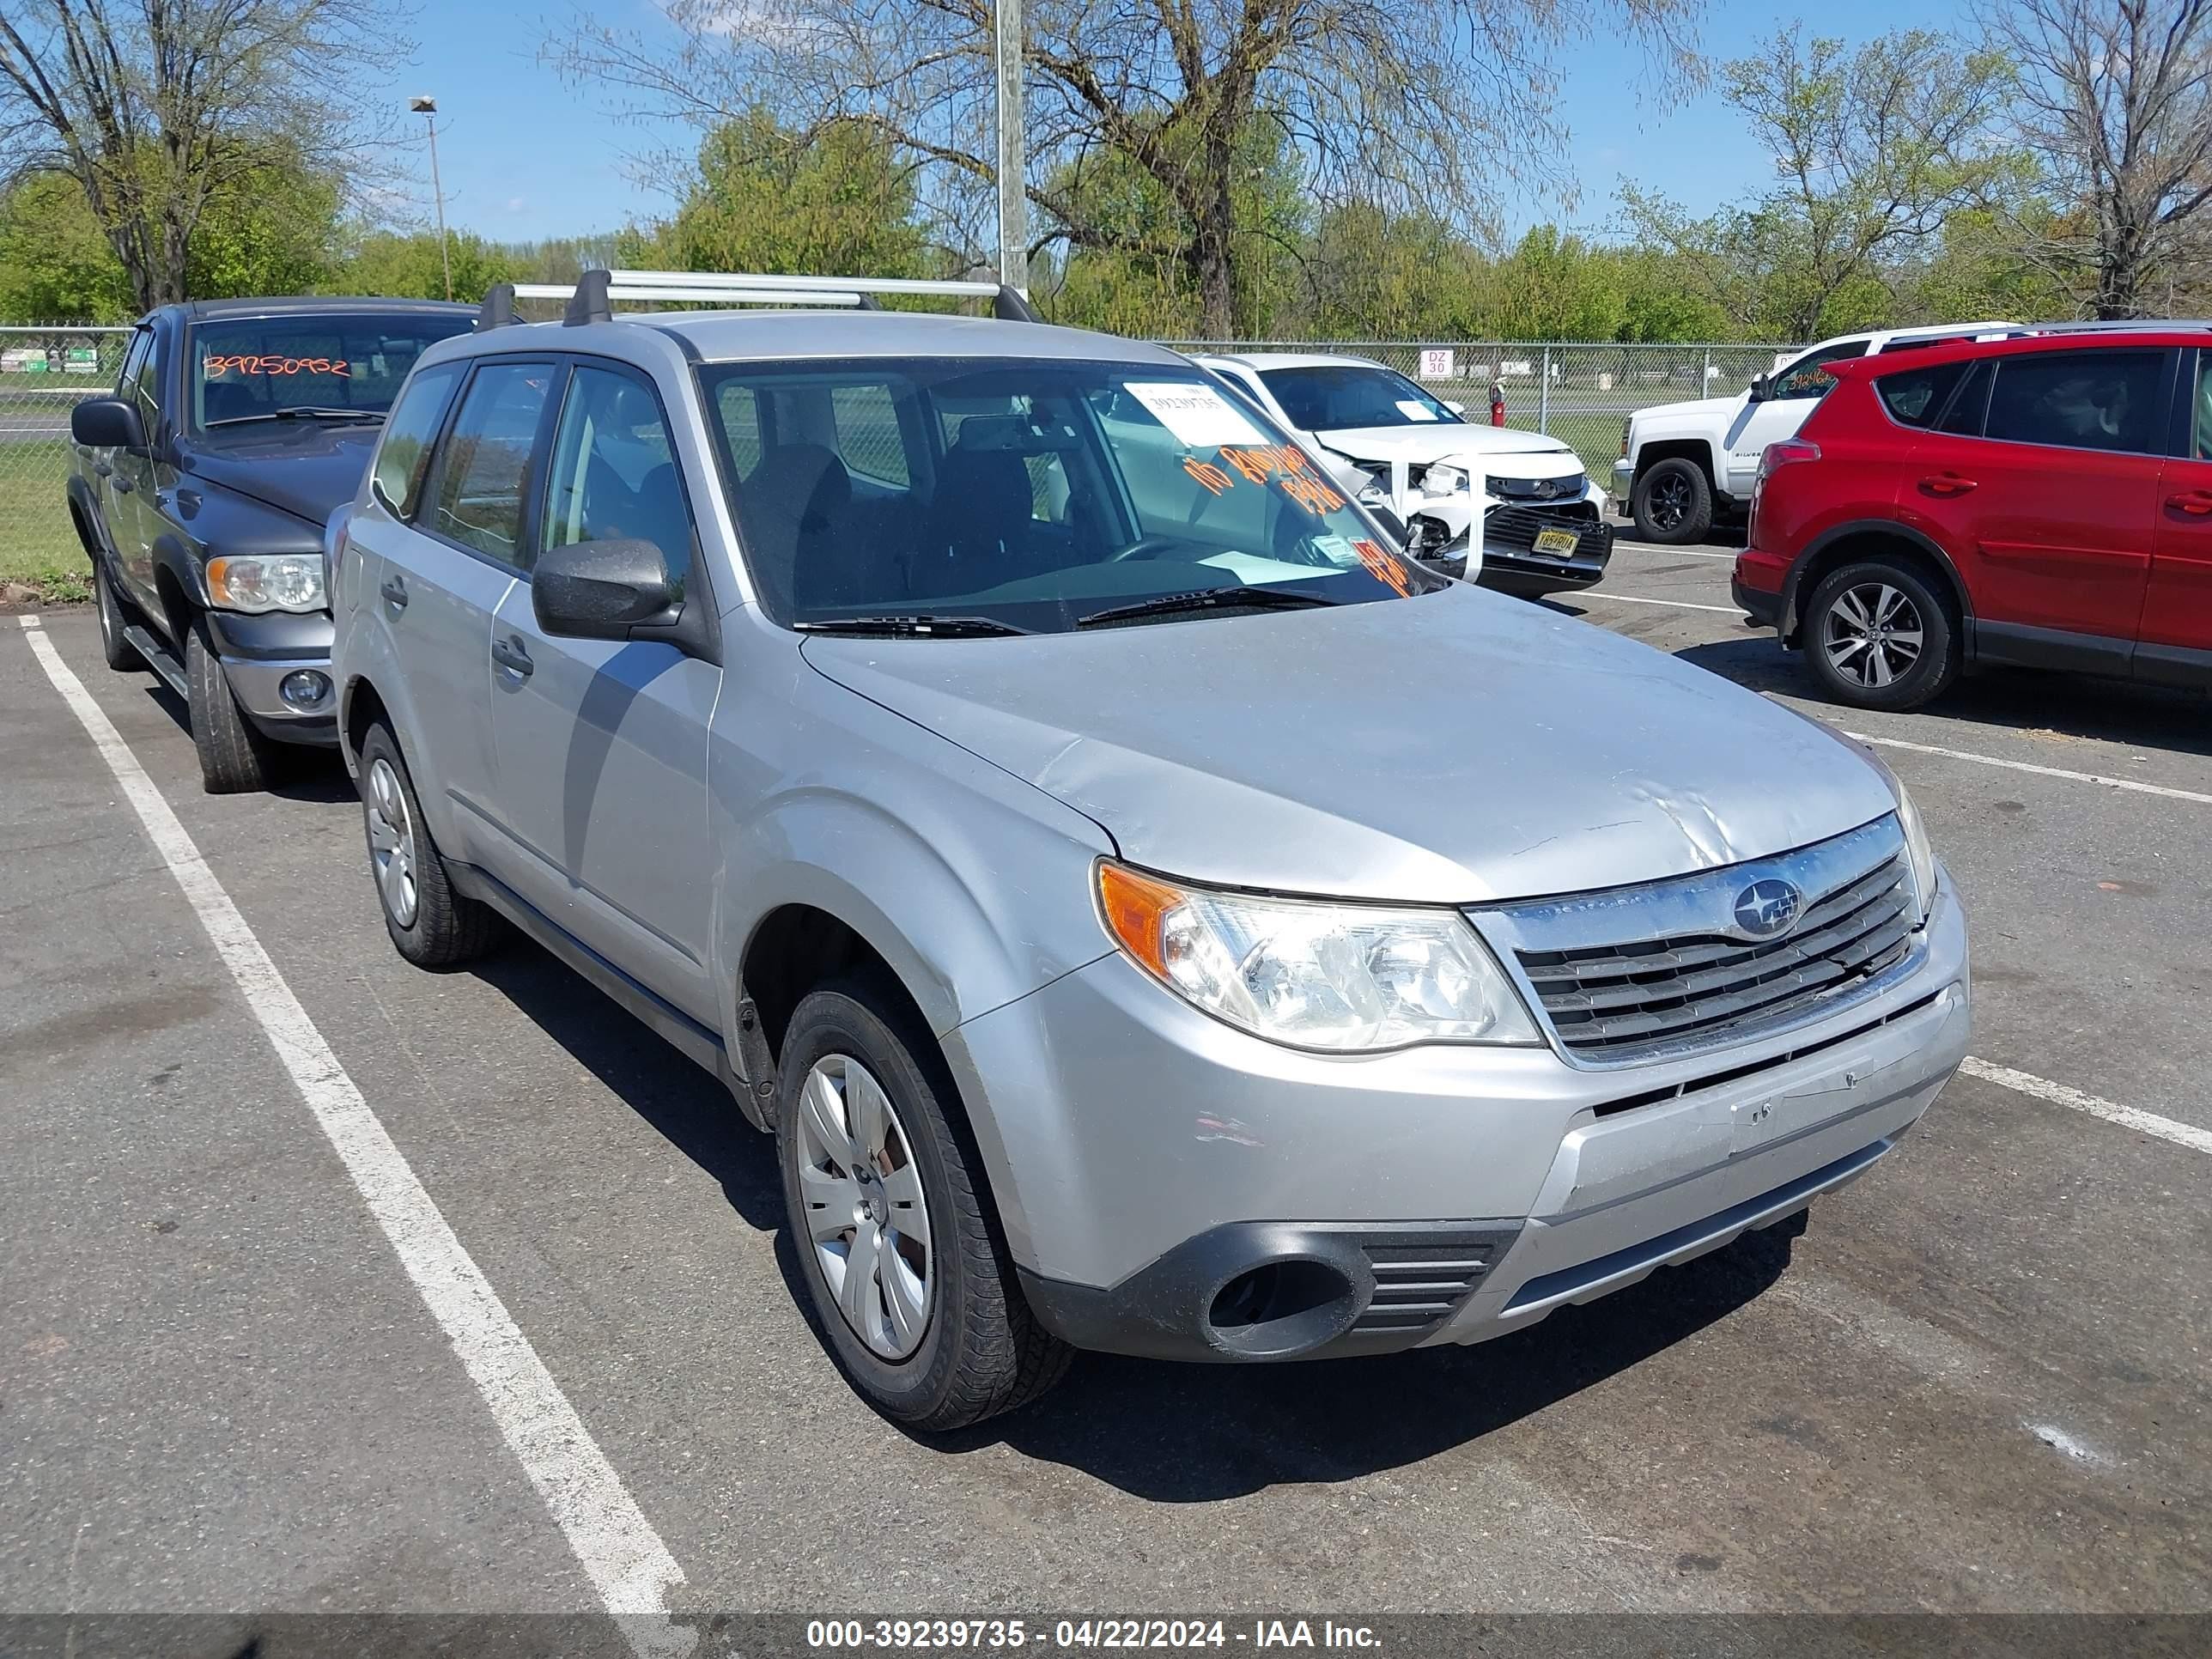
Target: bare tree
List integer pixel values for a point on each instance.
(156, 109)
(2116, 98)
(1435, 105)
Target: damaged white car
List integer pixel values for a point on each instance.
(1515, 510)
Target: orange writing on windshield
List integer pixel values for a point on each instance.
(1211, 476)
(1384, 568)
(271, 364)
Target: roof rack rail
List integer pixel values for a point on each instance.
(498, 309)
(591, 297)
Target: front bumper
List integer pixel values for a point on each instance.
(1510, 560)
(258, 653)
(1174, 1188)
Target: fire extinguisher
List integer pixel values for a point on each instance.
(1497, 403)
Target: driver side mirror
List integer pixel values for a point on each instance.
(1762, 388)
(607, 590)
(109, 423)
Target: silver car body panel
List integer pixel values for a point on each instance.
(948, 801)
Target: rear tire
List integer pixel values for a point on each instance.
(1878, 635)
(235, 758)
(1671, 502)
(962, 1345)
(430, 924)
(115, 651)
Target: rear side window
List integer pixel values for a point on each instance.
(613, 476)
(484, 471)
(1917, 398)
(407, 437)
(2103, 400)
(868, 437)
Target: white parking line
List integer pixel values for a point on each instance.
(2060, 1094)
(1677, 605)
(629, 1565)
(2130, 784)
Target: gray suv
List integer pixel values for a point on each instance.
(999, 755)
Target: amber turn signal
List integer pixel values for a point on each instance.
(1133, 908)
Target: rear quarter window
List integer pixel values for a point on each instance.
(1917, 397)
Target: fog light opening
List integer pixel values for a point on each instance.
(1282, 1308)
(303, 688)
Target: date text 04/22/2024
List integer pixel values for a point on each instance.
(833, 1634)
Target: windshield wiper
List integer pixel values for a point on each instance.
(1207, 599)
(907, 626)
(302, 412)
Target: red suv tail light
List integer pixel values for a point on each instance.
(1775, 457)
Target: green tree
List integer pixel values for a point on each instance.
(764, 197)
(1874, 148)
(406, 266)
(55, 263)
(160, 110)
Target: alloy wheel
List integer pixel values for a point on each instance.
(392, 842)
(1872, 634)
(866, 1217)
(1668, 502)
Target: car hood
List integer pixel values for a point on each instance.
(304, 469)
(1527, 753)
(1698, 412)
(1433, 443)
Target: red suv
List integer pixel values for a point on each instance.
(2045, 501)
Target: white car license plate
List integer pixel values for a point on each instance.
(1561, 542)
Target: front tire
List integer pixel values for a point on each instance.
(430, 924)
(1671, 502)
(912, 1290)
(1877, 634)
(235, 758)
(117, 652)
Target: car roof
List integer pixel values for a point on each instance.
(308, 304)
(1265, 360)
(780, 336)
(2060, 338)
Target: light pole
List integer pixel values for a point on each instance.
(1013, 220)
(428, 108)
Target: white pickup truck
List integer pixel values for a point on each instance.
(1684, 466)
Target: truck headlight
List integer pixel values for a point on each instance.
(276, 582)
(1441, 480)
(1344, 978)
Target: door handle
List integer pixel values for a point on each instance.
(1946, 483)
(510, 654)
(2197, 503)
(395, 592)
(123, 484)
(103, 468)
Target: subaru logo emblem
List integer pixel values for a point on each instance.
(1766, 907)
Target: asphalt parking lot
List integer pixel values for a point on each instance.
(1977, 1382)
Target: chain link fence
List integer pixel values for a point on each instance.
(43, 372)
(1583, 394)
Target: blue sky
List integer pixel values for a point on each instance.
(524, 155)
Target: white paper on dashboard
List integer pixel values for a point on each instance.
(1198, 414)
(1413, 411)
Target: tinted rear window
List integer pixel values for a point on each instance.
(1917, 398)
(2079, 400)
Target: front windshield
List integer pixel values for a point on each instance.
(1335, 397)
(1031, 497)
(336, 366)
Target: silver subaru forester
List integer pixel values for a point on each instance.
(1010, 764)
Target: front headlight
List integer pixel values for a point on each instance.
(1442, 480)
(1917, 852)
(1345, 978)
(278, 581)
